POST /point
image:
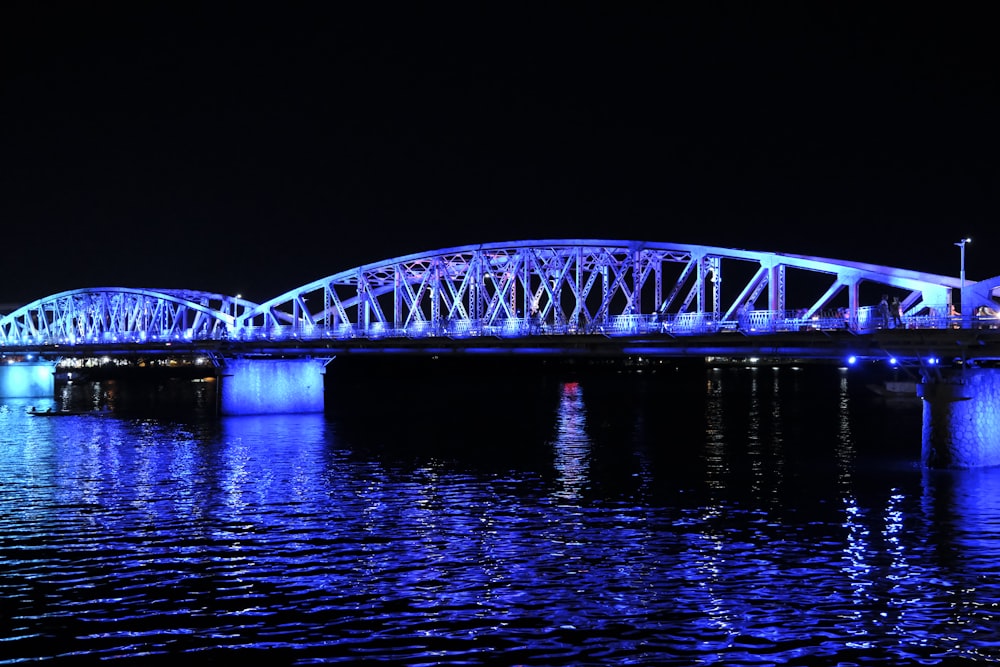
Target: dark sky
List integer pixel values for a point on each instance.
(251, 150)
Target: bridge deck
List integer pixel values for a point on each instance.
(905, 345)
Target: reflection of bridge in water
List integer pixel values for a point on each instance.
(557, 297)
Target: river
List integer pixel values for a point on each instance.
(500, 516)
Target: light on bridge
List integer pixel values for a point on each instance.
(961, 247)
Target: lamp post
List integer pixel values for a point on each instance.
(961, 246)
(966, 316)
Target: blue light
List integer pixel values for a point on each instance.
(852, 360)
(893, 361)
(27, 380)
(270, 386)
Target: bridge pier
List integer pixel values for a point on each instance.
(961, 419)
(28, 379)
(272, 386)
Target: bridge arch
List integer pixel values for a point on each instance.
(570, 285)
(121, 314)
(982, 294)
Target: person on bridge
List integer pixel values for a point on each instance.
(883, 310)
(896, 309)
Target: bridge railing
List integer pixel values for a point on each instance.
(109, 337)
(757, 322)
(749, 323)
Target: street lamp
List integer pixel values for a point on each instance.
(965, 311)
(961, 245)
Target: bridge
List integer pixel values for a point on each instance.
(559, 297)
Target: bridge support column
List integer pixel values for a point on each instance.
(28, 379)
(961, 427)
(272, 386)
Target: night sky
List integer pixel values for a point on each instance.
(253, 148)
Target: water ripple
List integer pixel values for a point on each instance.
(157, 541)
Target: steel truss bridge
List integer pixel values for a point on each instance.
(538, 296)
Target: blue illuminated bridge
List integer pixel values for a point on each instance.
(539, 297)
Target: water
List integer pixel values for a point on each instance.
(731, 516)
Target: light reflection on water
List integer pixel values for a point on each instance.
(572, 444)
(757, 516)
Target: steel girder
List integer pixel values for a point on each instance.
(984, 294)
(122, 314)
(569, 285)
(514, 288)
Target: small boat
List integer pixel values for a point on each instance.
(67, 413)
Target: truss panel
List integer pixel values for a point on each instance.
(565, 286)
(518, 288)
(120, 314)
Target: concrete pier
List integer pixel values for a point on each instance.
(272, 386)
(27, 379)
(961, 419)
